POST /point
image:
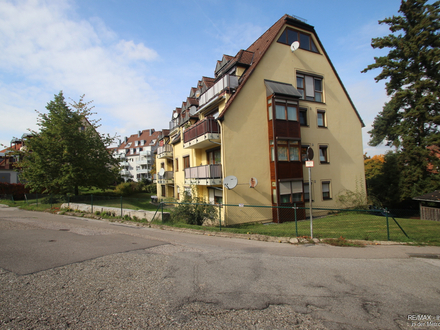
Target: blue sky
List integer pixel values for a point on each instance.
(137, 60)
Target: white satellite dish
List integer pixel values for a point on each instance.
(175, 115)
(161, 171)
(230, 182)
(294, 46)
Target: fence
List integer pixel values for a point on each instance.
(50, 201)
(373, 224)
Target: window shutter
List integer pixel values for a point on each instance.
(310, 89)
(285, 188)
(297, 187)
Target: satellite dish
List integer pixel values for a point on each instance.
(230, 182)
(294, 46)
(253, 182)
(161, 171)
(175, 115)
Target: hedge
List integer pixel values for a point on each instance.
(17, 190)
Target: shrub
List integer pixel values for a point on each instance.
(193, 211)
(151, 188)
(17, 190)
(127, 188)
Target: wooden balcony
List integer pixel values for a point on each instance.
(202, 134)
(205, 175)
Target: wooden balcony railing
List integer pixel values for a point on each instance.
(207, 125)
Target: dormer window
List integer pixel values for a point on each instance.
(305, 40)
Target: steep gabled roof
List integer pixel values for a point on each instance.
(258, 49)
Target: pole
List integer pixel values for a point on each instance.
(220, 216)
(310, 202)
(388, 224)
(296, 220)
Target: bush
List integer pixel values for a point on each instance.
(151, 188)
(17, 190)
(127, 188)
(193, 211)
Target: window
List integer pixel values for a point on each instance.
(177, 164)
(304, 152)
(305, 40)
(269, 110)
(303, 116)
(306, 192)
(309, 87)
(291, 191)
(272, 151)
(214, 156)
(286, 111)
(326, 190)
(162, 189)
(321, 119)
(323, 154)
(186, 162)
(215, 196)
(288, 150)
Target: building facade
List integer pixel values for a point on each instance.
(136, 154)
(242, 137)
(8, 172)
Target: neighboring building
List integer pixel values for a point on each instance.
(136, 154)
(253, 123)
(8, 173)
(429, 206)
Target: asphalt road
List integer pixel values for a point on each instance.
(59, 272)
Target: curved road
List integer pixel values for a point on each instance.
(61, 272)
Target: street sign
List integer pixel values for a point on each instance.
(309, 163)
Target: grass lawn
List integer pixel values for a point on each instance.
(353, 226)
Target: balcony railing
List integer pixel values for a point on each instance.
(207, 125)
(167, 177)
(165, 151)
(204, 175)
(228, 81)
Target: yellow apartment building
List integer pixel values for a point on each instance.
(241, 138)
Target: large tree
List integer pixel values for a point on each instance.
(410, 120)
(67, 152)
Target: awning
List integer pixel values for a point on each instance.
(280, 89)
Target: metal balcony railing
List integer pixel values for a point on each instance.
(228, 81)
(212, 171)
(165, 148)
(207, 125)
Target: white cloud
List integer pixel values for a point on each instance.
(136, 52)
(44, 50)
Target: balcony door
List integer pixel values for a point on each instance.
(214, 156)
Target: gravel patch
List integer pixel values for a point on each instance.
(124, 291)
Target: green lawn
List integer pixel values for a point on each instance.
(354, 226)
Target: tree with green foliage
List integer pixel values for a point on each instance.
(410, 120)
(67, 152)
